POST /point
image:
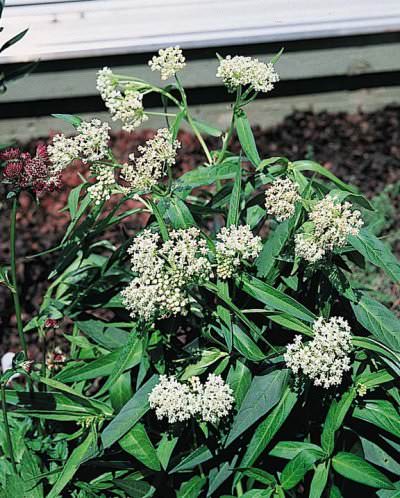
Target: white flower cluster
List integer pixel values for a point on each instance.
(324, 359)
(169, 61)
(239, 70)
(332, 223)
(235, 245)
(281, 198)
(164, 270)
(91, 144)
(178, 401)
(105, 182)
(126, 106)
(145, 171)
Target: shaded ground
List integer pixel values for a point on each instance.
(362, 149)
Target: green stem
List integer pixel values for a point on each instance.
(191, 122)
(17, 304)
(239, 489)
(159, 218)
(228, 136)
(7, 427)
(170, 114)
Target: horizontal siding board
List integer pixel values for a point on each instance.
(81, 29)
(201, 73)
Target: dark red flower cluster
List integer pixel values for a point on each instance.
(23, 171)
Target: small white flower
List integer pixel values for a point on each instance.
(235, 245)
(164, 270)
(325, 358)
(126, 105)
(179, 401)
(91, 144)
(105, 182)
(169, 61)
(216, 399)
(245, 71)
(333, 222)
(281, 198)
(145, 171)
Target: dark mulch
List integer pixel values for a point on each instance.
(361, 148)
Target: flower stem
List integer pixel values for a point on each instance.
(17, 304)
(7, 427)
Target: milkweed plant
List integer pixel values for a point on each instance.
(224, 350)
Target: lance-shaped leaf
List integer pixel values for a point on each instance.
(296, 469)
(380, 413)
(137, 443)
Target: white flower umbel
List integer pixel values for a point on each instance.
(105, 182)
(91, 144)
(169, 61)
(325, 358)
(179, 401)
(126, 105)
(332, 223)
(216, 399)
(281, 198)
(93, 140)
(173, 400)
(156, 155)
(245, 71)
(234, 246)
(163, 272)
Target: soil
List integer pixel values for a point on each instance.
(362, 149)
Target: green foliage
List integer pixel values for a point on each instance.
(86, 428)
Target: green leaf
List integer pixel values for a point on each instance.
(264, 393)
(239, 379)
(196, 457)
(191, 488)
(376, 252)
(357, 469)
(273, 298)
(260, 476)
(75, 121)
(359, 199)
(272, 249)
(317, 168)
(208, 358)
(9, 43)
(204, 175)
(206, 128)
(377, 319)
(245, 345)
(106, 336)
(268, 428)
(129, 415)
(290, 449)
(219, 474)
(135, 488)
(234, 204)
(319, 480)
(72, 465)
(296, 469)
(165, 448)
(121, 391)
(375, 454)
(380, 413)
(127, 355)
(335, 418)
(179, 214)
(246, 137)
(137, 443)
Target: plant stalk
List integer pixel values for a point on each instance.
(7, 427)
(15, 293)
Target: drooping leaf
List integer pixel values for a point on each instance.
(380, 413)
(296, 469)
(357, 469)
(137, 443)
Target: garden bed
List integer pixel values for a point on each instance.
(362, 149)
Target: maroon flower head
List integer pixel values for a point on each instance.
(13, 170)
(10, 154)
(51, 323)
(41, 151)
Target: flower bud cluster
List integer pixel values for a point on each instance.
(325, 358)
(332, 223)
(158, 153)
(234, 246)
(169, 61)
(35, 173)
(180, 401)
(126, 105)
(246, 71)
(281, 198)
(163, 271)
